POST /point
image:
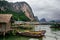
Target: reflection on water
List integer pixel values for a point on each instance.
(33, 39)
(50, 35)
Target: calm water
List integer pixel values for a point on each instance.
(50, 35)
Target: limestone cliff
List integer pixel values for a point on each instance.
(17, 7)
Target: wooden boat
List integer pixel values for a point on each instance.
(34, 34)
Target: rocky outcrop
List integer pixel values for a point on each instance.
(17, 7)
(43, 20)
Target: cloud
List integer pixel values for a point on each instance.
(49, 9)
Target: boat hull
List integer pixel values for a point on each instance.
(31, 34)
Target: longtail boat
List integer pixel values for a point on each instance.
(34, 34)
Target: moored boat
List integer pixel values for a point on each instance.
(34, 34)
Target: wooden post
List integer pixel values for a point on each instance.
(3, 33)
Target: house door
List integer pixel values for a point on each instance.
(2, 27)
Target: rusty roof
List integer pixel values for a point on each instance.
(5, 18)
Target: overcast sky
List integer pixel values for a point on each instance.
(49, 9)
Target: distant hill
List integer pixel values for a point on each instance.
(20, 10)
(43, 20)
(58, 21)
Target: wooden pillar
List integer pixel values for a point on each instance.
(3, 33)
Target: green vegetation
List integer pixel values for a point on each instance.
(22, 27)
(14, 38)
(18, 38)
(8, 10)
(55, 27)
(16, 16)
(3, 3)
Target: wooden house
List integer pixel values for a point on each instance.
(5, 23)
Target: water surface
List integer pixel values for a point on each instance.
(50, 35)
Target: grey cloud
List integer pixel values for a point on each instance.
(49, 9)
